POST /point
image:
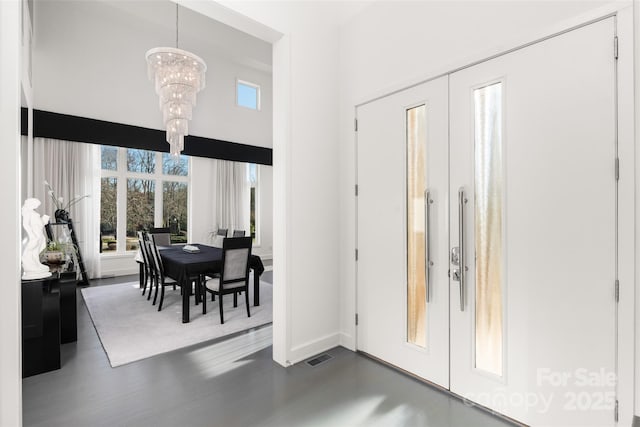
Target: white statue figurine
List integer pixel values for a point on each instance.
(33, 224)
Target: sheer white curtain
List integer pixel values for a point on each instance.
(232, 196)
(70, 168)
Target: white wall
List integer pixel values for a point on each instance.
(391, 45)
(305, 180)
(89, 61)
(10, 321)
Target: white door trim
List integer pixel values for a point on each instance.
(626, 217)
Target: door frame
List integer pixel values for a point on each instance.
(626, 198)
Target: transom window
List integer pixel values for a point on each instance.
(139, 190)
(248, 95)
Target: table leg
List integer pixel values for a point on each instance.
(256, 288)
(185, 300)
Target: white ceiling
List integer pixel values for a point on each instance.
(197, 31)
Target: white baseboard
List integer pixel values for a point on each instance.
(119, 272)
(348, 341)
(311, 348)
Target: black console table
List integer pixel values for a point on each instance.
(49, 318)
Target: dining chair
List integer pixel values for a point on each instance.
(238, 233)
(160, 279)
(219, 237)
(147, 270)
(162, 236)
(234, 276)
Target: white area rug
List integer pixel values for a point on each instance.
(131, 329)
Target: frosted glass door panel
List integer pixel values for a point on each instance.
(488, 227)
(416, 226)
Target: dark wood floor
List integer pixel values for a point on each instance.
(203, 386)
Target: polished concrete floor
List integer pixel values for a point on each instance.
(232, 383)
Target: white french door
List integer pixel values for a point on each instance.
(403, 294)
(487, 230)
(533, 148)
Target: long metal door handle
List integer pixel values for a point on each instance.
(461, 202)
(427, 237)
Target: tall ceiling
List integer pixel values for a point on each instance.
(194, 31)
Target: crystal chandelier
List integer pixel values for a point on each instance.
(178, 76)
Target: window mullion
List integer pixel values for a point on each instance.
(122, 201)
(158, 216)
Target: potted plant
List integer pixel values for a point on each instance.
(57, 252)
(54, 252)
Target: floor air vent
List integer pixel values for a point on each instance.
(318, 360)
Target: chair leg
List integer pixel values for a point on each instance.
(246, 302)
(151, 279)
(155, 295)
(204, 300)
(161, 297)
(235, 299)
(143, 280)
(221, 313)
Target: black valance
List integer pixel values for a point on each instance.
(81, 129)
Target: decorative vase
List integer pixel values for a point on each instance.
(61, 215)
(54, 257)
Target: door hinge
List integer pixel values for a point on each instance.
(356, 254)
(355, 124)
(617, 168)
(356, 189)
(356, 319)
(615, 412)
(615, 47)
(617, 290)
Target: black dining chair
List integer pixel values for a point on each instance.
(219, 237)
(147, 270)
(238, 233)
(234, 276)
(162, 236)
(160, 279)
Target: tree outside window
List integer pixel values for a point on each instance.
(136, 194)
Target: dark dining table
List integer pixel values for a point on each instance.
(185, 267)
